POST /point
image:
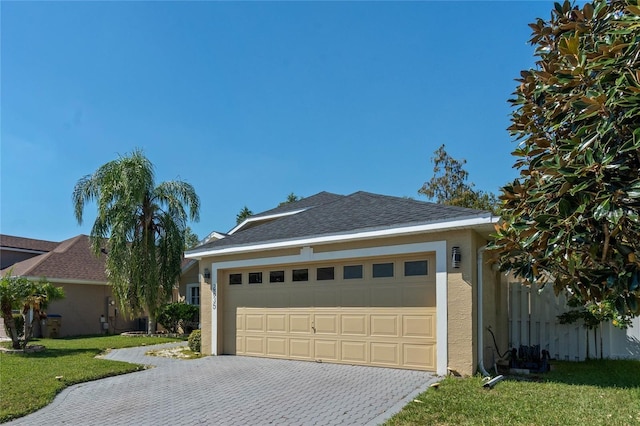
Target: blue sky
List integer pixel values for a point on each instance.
(249, 102)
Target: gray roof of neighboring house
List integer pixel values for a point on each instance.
(343, 214)
(71, 259)
(12, 242)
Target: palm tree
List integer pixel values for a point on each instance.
(243, 214)
(143, 227)
(18, 293)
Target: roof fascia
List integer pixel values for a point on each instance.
(471, 222)
(262, 218)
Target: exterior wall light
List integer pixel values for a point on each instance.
(456, 257)
(207, 273)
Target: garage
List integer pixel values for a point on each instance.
(378, 312)
(362, 279)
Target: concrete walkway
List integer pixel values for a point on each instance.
(234, 390)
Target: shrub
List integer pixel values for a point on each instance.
(174, 316)
(194, 340)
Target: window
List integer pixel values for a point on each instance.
(300, 275)
(276, 276)
(193, 294)
(414, 268)
(323, 274)
(382, 270)
(352, 272)
(235, 279)
(255, 277)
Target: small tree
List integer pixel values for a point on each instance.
(18, 293)
(243, 214)
(291, 198)
(190, 239)
(592, 316)
(449, 185)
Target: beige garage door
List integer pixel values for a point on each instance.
(389, 337)
(371, 312)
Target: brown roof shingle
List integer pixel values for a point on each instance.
(13, 242)
(71, 259)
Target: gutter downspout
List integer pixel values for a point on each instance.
(480, 313)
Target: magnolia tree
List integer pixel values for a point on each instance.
(572, 217)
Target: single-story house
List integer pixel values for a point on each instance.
(16, 249)
(359, 279)
(88, 306)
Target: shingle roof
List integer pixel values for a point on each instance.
(71, 259)
(313, 201)
(13, 242)
(345, 214)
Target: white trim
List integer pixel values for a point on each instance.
(307, 255)
(187, 296)
(215, 234)
(261, 218)
(385, 232)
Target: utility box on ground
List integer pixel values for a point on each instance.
(54, 324)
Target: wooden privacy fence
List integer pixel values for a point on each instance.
(533, 320)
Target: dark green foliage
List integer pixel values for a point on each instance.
(195, 340)
(191, 240)
(572, 218)
(291, 198)
(179, 315)
(243, 214)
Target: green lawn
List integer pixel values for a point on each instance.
(587, 393)
(28, 381)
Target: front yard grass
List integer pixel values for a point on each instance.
(586, 393)
(28, 381)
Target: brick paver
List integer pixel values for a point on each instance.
(234, 390)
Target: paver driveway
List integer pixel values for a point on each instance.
(234, 390)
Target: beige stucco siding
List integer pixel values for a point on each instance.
(82, 307)
(461, 292)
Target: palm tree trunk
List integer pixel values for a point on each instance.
(10, 324)
(151, 325)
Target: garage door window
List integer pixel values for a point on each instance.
(299, 275)
(276, 276)
(382, 270)
(415, 268)
(255, 277)
(235, 279)
(352, 272)
(324, 274)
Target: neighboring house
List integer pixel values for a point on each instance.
(88, 304)
(16, 249)
(360, 279)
